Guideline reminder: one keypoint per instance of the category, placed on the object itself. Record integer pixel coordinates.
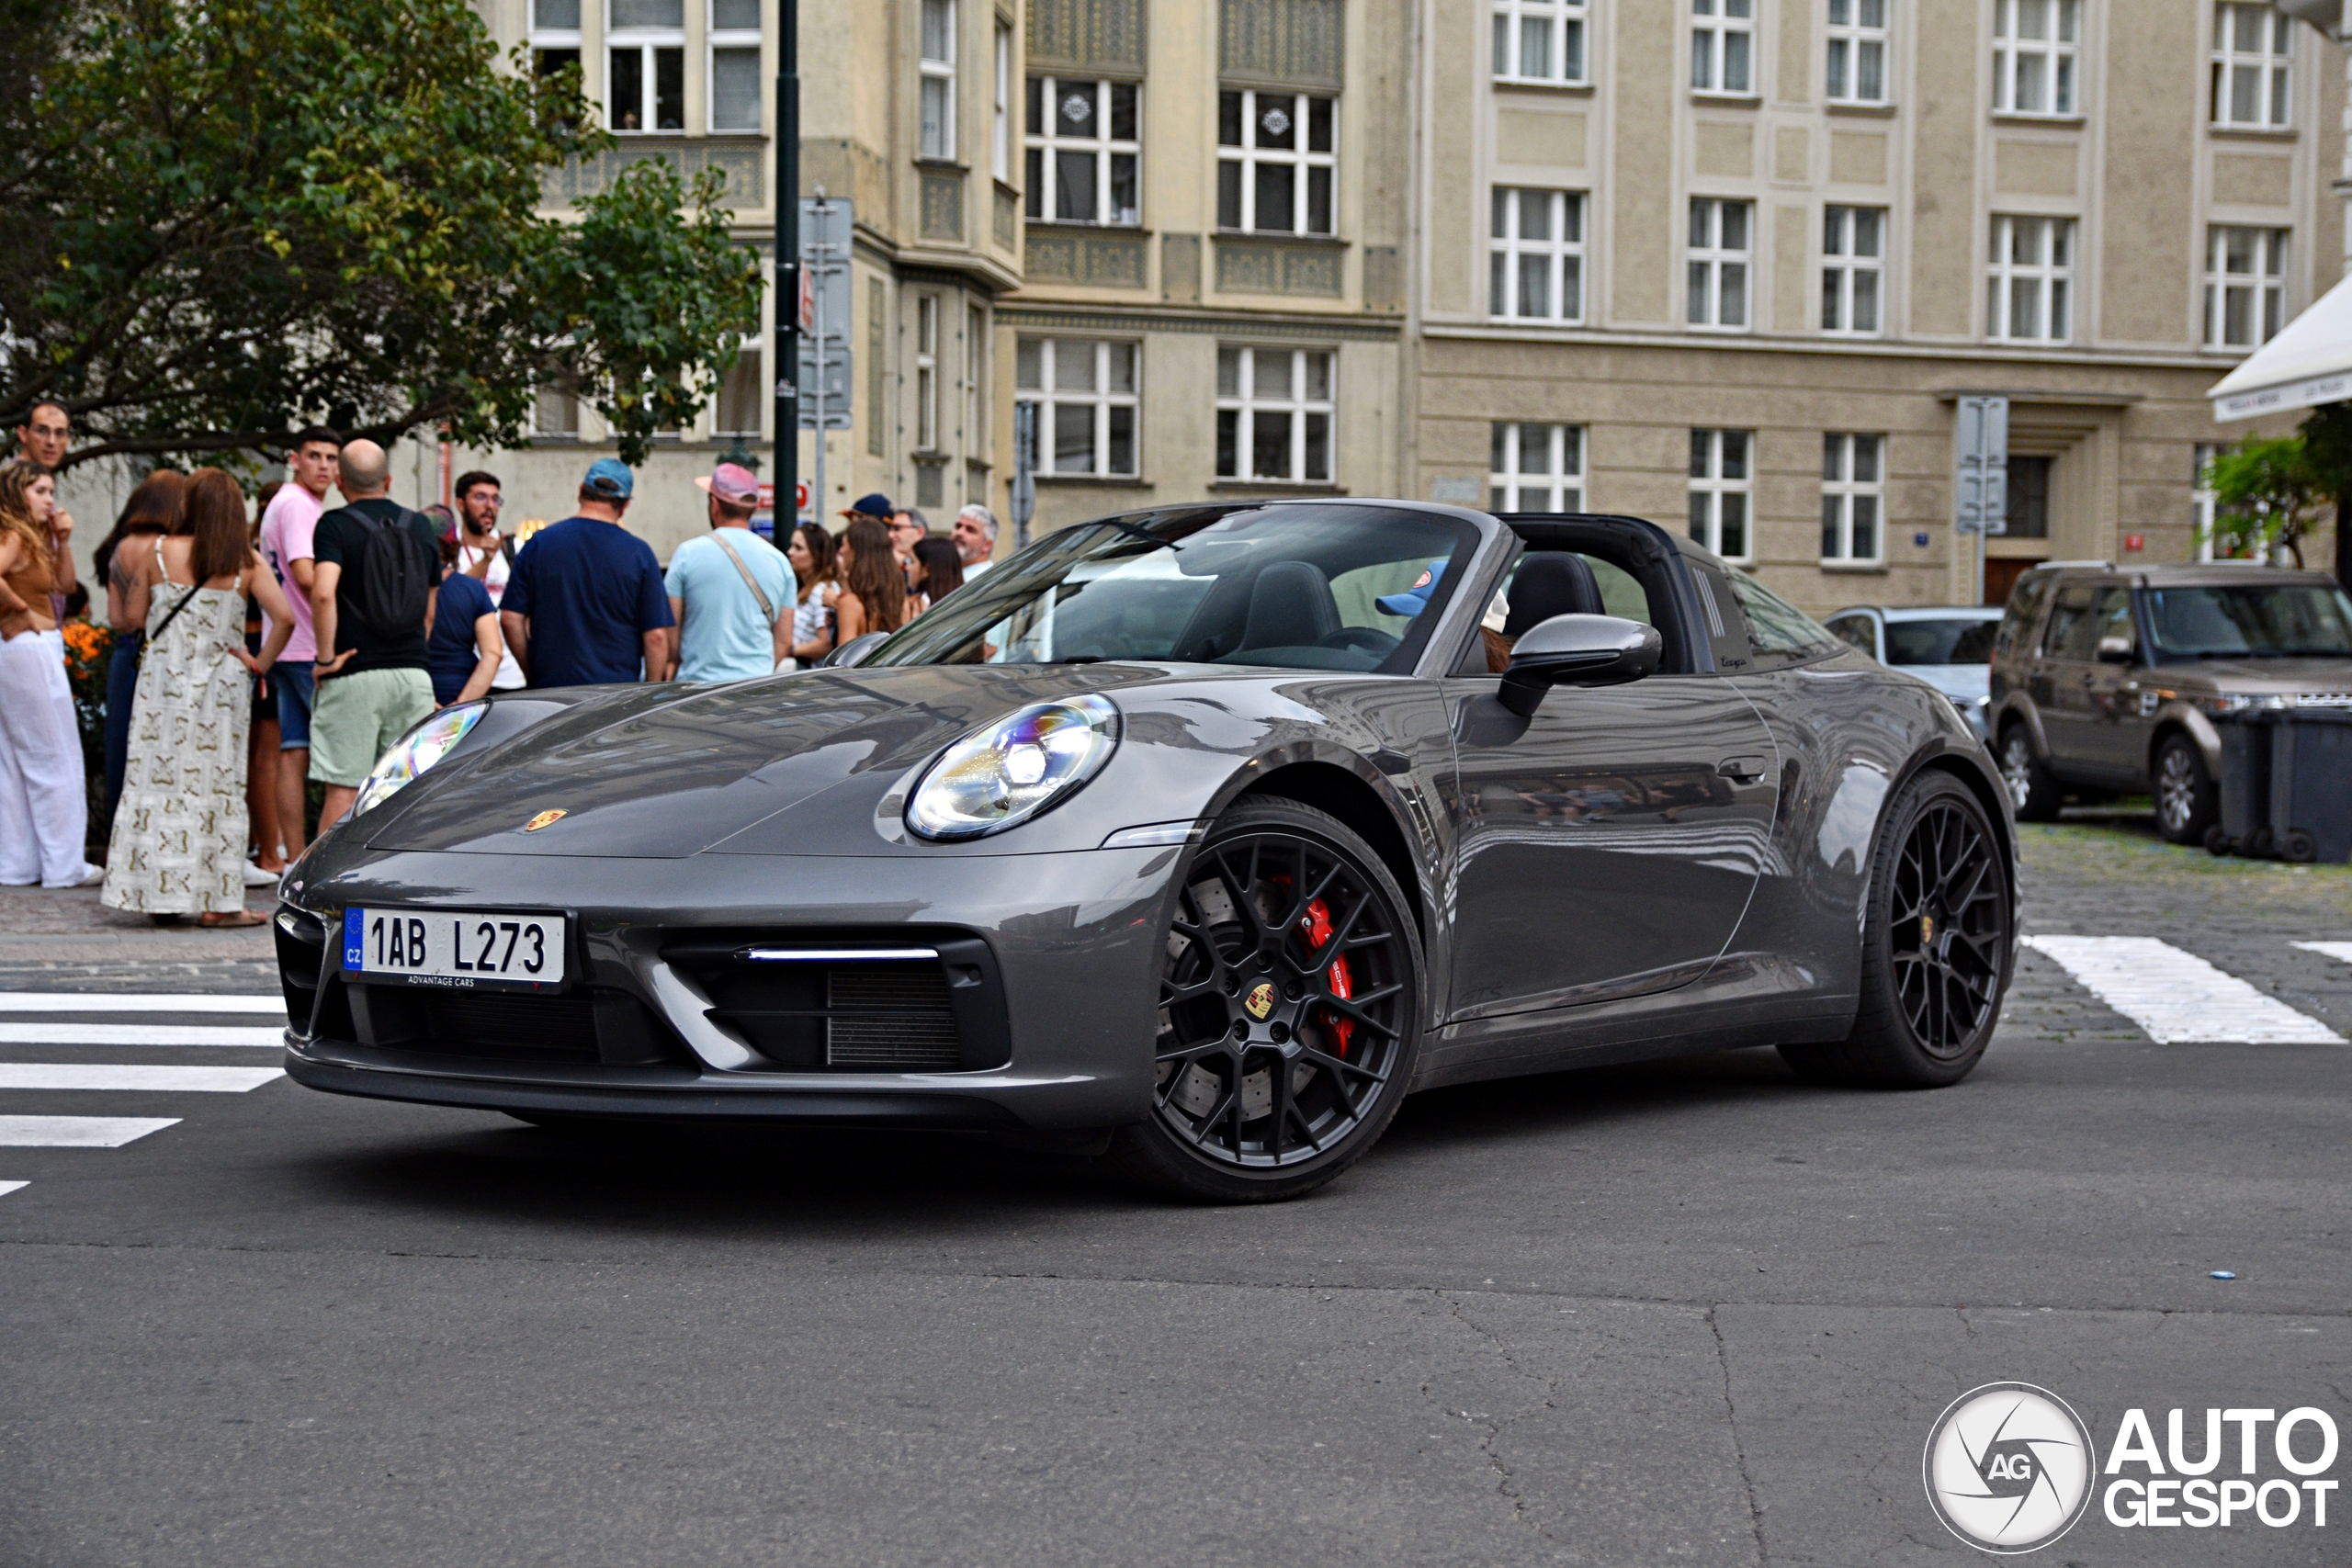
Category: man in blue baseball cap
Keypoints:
(1416, 599)
(585, 604)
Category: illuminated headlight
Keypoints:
(1006, 773)
(414, 752)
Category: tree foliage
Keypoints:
(2270, 491)
(226, 222)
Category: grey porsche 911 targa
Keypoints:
(1197, 838)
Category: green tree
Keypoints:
(227, 222)
(2268, 495)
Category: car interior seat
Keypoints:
(1290, 606)
(1549, 584)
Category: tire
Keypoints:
(2033, 789)
(1283, 910)
(1936, 944)
(2184, 791)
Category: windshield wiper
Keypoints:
(1146, 534)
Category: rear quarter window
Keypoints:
(1778, 632)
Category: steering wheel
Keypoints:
(1360, 639)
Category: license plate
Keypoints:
(453, 948)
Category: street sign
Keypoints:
(1984, 472)
(836, 390)
(824, 306)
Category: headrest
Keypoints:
(1549, 584)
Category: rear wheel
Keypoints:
(1290, 1003)
(1935, 948)
(2033, 790)
(2185, 803)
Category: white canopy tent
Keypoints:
(2309, 363)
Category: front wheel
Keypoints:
(1290, 1008)
(1936, 948)
(2185, 803)
(2032, 788)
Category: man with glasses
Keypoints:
(486, 556)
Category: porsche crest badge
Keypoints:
(1261, 1000)
(542, 819)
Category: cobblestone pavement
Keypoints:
(64, 938)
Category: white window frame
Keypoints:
(540, 38)
(976, 345)
(2263, 284)
(926, 372)
(1846, 494)
(935, 141)
(1044, 148)
(714, 39)
(1047, 399)
(2048, 63)
(750, 349)
(1000, 126)
(1559, 25)
(1245, 402)
(1560, 258)
(2268, 68)
(1557, 484)
(1718, 273)
(648, 43)
(1714, 493)
(1722, 48)
(1249, 156)
(1859, 47)
(1843, 264)
(2052, 269)
(2204, 505)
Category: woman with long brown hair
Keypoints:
(158, 506)
(873, 591)
(939, 570)
(178, 845)
(44, 799)
(814, 568)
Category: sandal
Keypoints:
(224, 920)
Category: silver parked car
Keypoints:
(1947, 645)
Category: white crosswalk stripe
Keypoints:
(128, 1002)
(2177, 997)
(2339, 951)
(78, 1131)
(167, 1080)
(139, 1034)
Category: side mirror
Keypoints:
(853, 652)
(2115, 650)
(1577, 651)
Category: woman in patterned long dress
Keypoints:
(178, 846)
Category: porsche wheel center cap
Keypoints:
(1260, 1001)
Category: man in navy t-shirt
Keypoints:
(585, 604)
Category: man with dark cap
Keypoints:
(585, 604)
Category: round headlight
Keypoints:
(415, 751)
(1006, 773)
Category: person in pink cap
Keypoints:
(731, 592)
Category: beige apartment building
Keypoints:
(1726, 263)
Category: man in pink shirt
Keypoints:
(286, 530)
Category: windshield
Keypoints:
(1296, 587)
(1955, 641)
(2285, 620)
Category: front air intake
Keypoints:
(913, 1002)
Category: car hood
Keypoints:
(2260, 677)
(671, 772)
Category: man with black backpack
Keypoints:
(376, 568)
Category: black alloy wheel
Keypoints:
(1290, 998)
(2033, 789)
(2185, 805)
(1937, 947)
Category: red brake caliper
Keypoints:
(1316, 924)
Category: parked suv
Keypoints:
(2108, 680)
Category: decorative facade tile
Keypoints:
(744, 163)
(943, 206)
(1258, 266)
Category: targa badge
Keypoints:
(542, 819)
(1261, 1000)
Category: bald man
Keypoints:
(372, 682)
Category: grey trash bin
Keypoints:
(2311, 784)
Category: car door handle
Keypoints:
(1741, 770)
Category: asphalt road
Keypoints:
(1693, 1313)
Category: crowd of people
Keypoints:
(257, 652)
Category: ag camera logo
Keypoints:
(2008, 1467)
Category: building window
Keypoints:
(2033, 56)
(1857, 52)
(1083, 151)
(1719, 488)
(1539, 40)
(742, 398)
(1084, 390)
(1853, 249)
(1275, 162)
(2204, 506)
(937, 72)
(1000, 132)
(2251, 47)
(645, 65)
(2027, 287)
(555, 415)
(2245, 285)
(1536, 467)
(1274, 414)
(555, 35)
(1718, 262)
(2029, 507)
(1853, 498)
(1536, 262)
(1722, 41)
(735, 65)
(926, 372)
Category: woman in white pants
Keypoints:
(44, 799)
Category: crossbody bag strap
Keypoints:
(749, 580)
(164, 579)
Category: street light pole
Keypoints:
(785, 192)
